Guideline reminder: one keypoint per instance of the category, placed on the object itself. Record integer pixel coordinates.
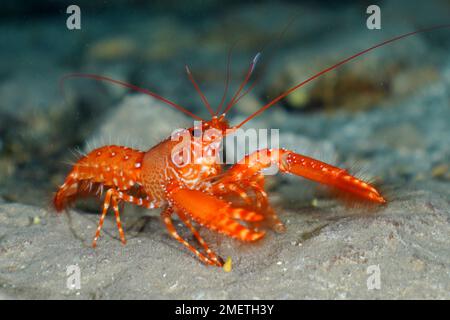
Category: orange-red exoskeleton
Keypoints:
(198, 191)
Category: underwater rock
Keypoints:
(381, 76)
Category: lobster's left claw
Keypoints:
(309, 168)
(324, 173)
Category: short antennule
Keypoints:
(335, 66)
(197, 88)
(244, 82)
(227, 81)
(129, 86)
(255, 61)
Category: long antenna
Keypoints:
(126, 85)
(335, 66)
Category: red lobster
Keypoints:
(197, 190)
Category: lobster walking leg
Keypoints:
(167, 219)
(222, 189)
(261, 202)
(115, 205)
(111, 197)
(215, 258)
(244, 215)
(106, 203)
